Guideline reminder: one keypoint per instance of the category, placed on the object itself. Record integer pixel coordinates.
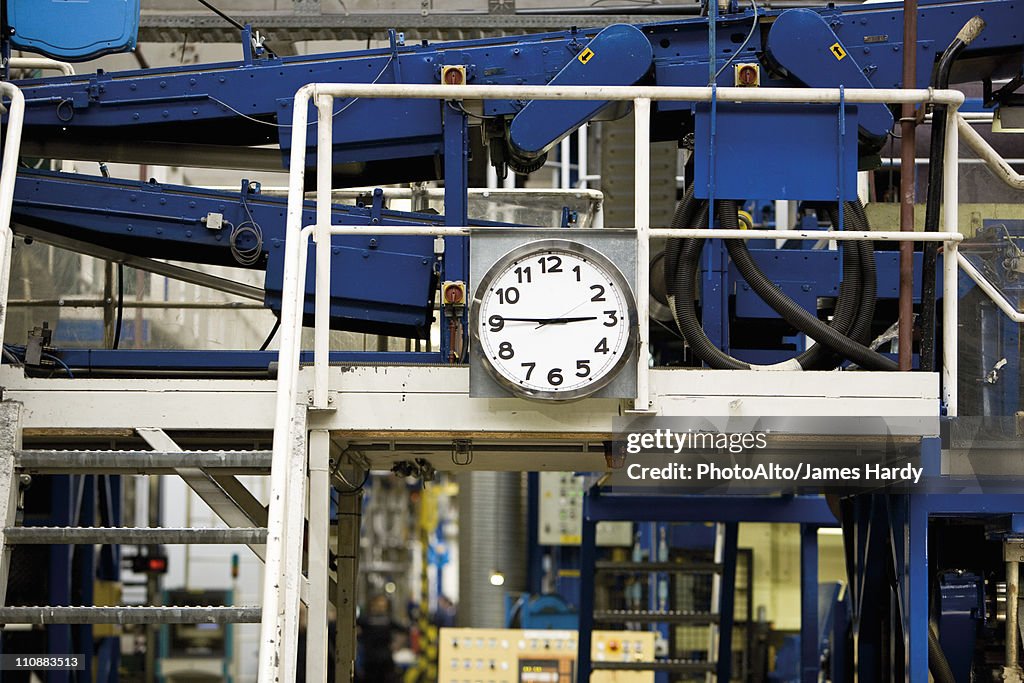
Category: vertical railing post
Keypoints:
(322, 237)
(642, 221)
(8, 175)
(272, 626)
(319, 440)
(582, 141)
(950, 270)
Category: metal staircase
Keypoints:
(202, 470)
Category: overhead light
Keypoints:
(830, 531)
(497, 578)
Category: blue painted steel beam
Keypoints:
(99, 360)
(169, 221)
(697, 508)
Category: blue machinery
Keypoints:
(226, 114)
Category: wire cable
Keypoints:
(221, 14)
(9, 355)
(273, 331)
(61, 363)
(120, 306)
(352, 488)
(457, 106)
(247, 256)
(742, 47)
(310, 123)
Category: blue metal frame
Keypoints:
(151, 104)
(809, 511)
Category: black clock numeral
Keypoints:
(555, 377)
(602, 346)
(599, 293)
(524, 274)
(613, 318)
(550, 264)
(505, 351)
(583, 368)
(496, 322)
(529, 369)
(508, 295)
(576, 269)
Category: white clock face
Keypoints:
(554, 320)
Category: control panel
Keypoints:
(561, 514)
(476, 655)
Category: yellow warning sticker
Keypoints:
(585, 56)
(837, 50)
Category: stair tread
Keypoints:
(656, 665)
(39, 535)
(141, 461)
(655, 616)
(128, 614)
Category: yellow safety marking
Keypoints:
(837, 50)
(585, 56)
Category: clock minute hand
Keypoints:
(548, 321)
(562, 321)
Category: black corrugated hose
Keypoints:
(843, 335)
(936, 157)
(938, 665)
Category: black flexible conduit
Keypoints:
(936, 159)
(849, 327)
(938, 665)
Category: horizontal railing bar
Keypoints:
(627, 92)
(838, 235)
(384, 231)
(890, 236)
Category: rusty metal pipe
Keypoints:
(907, 181)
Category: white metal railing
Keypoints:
(1001, 167)
(8, 174)
(280, 602)
(42, 63)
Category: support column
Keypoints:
(588, 545)
(349, 511)
(1011, 670)
(727, 601)
(319, 538)
(917, 588)
(456, 167)
(809, 659)
(456, 206)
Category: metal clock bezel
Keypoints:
(579, 249)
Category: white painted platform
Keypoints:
(401, 412)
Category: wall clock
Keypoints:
(553, 320)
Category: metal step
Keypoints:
(644, 567)
(129, 615)
(47, 535)
(141, 462)
(619, 616)
(670, 665)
